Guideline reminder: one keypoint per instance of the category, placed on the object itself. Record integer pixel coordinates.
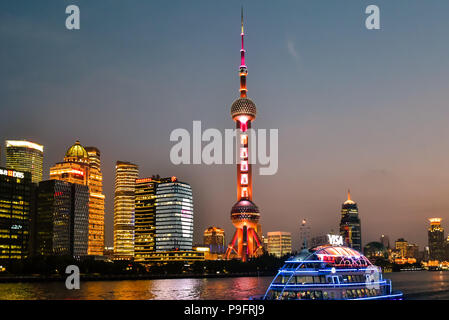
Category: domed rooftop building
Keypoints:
(76, 153)
(330, 273)
(74, 168)
(375, 250)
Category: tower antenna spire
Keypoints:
(243, 71)
(242, 20)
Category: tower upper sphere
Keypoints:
(243, 107)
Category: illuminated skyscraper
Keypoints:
(83, 167)
(126, 174)
(16, 194)
(279, 243)
(174, 215)
(214, 238)
(96, 203)
(436, 240)
(25, 156)
(246, 243)
(350, 227)
(145, 219)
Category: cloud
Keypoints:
(291, 47)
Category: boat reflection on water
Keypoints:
(329, 273)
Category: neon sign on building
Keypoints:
(12, 173)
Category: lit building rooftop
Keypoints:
(24, 143)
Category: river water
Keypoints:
(414, 284)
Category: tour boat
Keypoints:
(330, 272)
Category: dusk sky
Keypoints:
(355, 108)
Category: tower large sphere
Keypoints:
(243, 107)
(245, 211)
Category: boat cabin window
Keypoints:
(281, 279)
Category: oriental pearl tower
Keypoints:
(244, 214)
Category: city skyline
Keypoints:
(354, 130)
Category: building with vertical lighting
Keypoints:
(61, 226)
(279, 243)
(436, 240)
(245, 243)
(126, 174)
(174, 215)
(145, 219)
(350, 227)
(25, 156)
(82, 167)
(16, 206)
(214, 239)
(96, 203)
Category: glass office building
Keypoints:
(62, 219)
(80, 221)
(25, 156)
(16, 205)
(174, 215)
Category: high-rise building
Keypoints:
(126, 174)
(62, 219)
(385, 240)
(83, 167)
(350, 227)
(246, 243)
(96, 203)
(436, 240)
(145, 219)
(401, 247)
(25, 156)
(304, 234)
(16, 205)
(279, 243)
(214, 239)
(174, 215)
(52, 222)
(413, 251)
